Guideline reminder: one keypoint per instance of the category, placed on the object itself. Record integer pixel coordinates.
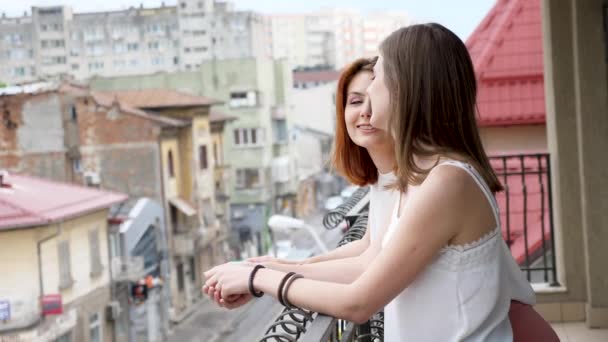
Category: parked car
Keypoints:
(333, 202)
(349, 191)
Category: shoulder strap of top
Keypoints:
(480, 182)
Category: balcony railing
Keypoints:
(18, 311)
(526, 213)
(526, 219)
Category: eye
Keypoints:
(355, 101)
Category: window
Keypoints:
(243, 99)
(192, 269)
(170, 164)
(95, 328)
(245, 134)
(119, 48)
(57, 43)
(95, 66)
(254, 136)
(73, 113)
(153, 45)
(58, 60)
(75, 66)
(248, 178)
(158, 60)
(146, 248)
(249, 137)
(76, 165)
(96, 266)
(279, 128)
(180, 276)
(132, 47)
(65, 272)
(44, 43)
(183, 4)
(215, 155)
(173, 216)
(19, 71)
(202, 155)
(206, 212)
(237, 136)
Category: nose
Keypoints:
(366, 108)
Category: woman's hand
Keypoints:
(228, 284)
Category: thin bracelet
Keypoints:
(251, 288)
(281, 285)
(287, 286)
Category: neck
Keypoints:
(384, 159)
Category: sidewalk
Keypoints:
(578, 332)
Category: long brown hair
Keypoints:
(350, 159)
(433, 93)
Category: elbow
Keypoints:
(357, 310)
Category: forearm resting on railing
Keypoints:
(349, 250)
(344, 271)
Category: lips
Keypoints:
(366, 128)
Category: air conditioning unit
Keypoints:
(92, 179)
(113, 311)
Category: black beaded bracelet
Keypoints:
(281, 285)
(286, 289)
(251, 288)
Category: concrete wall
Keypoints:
(121, 147)
(315, 108)
(77, 232)
(514, 139)
(19, 285)
(33, 136)
(576, 94)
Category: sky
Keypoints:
(460, 16)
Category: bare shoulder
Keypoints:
(450, 182)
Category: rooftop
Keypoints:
(27, 201)
(160, 98)
(507, 52)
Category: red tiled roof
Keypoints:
(108, 100)
(507, 51)
(161, 98)
(30, 201)
(315, 76)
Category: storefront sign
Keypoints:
(52, 304)
(5, 310)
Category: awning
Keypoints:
(183, 206)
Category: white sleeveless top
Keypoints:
(381, 204)
(465, 293)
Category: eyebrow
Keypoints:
(356, 93)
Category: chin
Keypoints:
(367, 142)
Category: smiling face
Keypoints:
(357, 113)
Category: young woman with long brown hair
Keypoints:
(443, 272)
